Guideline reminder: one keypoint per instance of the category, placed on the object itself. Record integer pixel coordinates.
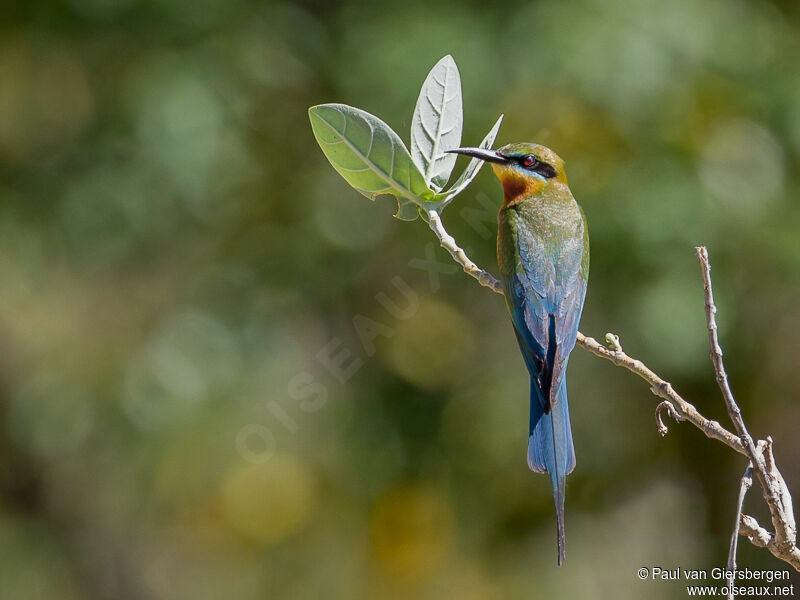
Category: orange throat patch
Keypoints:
(516, 186)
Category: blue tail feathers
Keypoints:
(550, 449)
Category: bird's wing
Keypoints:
(530, 322)
(569, 315)
(545, 296)
(573, 269)
(530, 288)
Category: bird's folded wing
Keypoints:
(567, 320)
(546, 300)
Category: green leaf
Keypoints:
(437, 123)
(370, 156)
(470, 172)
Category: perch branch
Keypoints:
(782, 543)
(663, 389)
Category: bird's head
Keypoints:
(524, 169)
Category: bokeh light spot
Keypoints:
(271, 501)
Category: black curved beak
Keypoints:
(492, 156)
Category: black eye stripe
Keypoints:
(548, 171)
(537, 166)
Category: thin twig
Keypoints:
(663, 389)
(665, 405)
(719, 368)
(744, 485)
(773, 487)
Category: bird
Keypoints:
(543, 258)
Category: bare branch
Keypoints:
(744, 485)
(762, 538)
(758, 536)
(772, 485)
(719, 368)
(664, 390)
(784, 497)
(779, 500)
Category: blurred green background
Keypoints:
(179, 262)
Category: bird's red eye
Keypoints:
(529, 160)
